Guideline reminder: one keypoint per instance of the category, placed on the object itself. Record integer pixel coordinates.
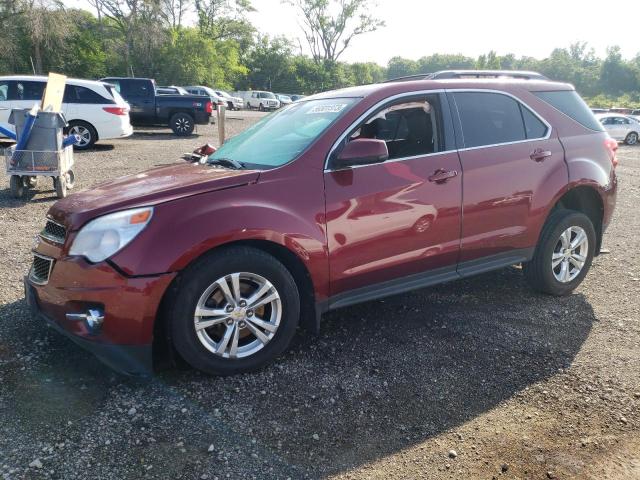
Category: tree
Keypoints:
(328, 34)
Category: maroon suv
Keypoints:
(345, 197)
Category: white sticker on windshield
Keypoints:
(335, 108)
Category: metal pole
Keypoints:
(221, 130)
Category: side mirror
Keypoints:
(362, 151)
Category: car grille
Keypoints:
(41, 269)
(54, 232)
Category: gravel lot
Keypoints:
(480, 378)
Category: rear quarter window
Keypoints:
(572, 105)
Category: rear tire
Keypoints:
(86, 132)
(631, 139)
(557, 268)
(200, 289)
(182, 124)
(16, 184)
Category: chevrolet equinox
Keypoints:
(340, 198)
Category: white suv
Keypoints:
(94, 110)
(621, 127)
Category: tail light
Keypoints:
(208, 107)
(612, 147)
(117, 110)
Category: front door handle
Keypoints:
(441, 175)
(539, 154)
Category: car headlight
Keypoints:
(106, 235)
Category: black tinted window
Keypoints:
(77, 94)
(534, 128)
(137, 88)
(28, 90)
(570, 103)
(489, 118)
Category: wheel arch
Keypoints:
(310, 312)
(587, 200)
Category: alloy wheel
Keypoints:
(632, 139)
(183, 124)
(238, 315)
(570, 254)
(83, 132)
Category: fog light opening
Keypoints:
(92, 318)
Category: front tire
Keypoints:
(631, 139)
(17, 187)
(234, 311)
(60, 185)
(182, 124)
(563, 255)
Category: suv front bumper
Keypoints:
(130, 305)
(127, 359)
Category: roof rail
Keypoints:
(444, 74)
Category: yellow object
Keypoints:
(53, 94)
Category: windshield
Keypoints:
(284, 97)
(282, 136)
(222, 94)
(266, 95)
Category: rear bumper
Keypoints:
(126, 359)
(202, 118)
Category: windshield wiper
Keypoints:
(227, 162)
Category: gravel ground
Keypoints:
(480, 378)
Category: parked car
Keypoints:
(622, 128)
(295, 98)
(259, 100)
(232, 103)
(171, 90)
(600, 110)
(181, 113)
(201, 90)
(342, 198)
(94, 110)
(284, 99)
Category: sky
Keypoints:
(416, 28)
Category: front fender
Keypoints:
(183, 230)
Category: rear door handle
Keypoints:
(441, 175)
(539, 155)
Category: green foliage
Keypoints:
(223, 49)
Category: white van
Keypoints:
(260, 100)
(95, 110)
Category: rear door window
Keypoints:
(78, 94)
(572, 105)
(489, 119)
(533, 126)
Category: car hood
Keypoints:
(147, 188)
